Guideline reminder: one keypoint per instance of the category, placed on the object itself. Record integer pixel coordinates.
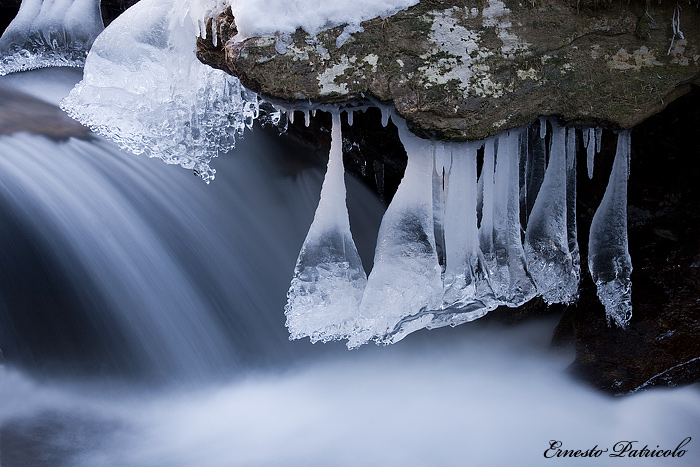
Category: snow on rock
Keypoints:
(267, 17)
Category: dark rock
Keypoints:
(661, 346)
(21, 112)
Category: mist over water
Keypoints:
(142, 324)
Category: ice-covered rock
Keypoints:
(48, 33)
(144, 88)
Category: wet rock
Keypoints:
(661, 346)
(21, 112)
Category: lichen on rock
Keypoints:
(467, 69)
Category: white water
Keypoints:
(484, 396)
(476, 395)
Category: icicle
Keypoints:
(441, 152)
(608, 255)
(291, 116)
(467, 293)
(351, 115)
(504, 255)
(590, 144)
(598, 139)
(406, 278)
(486, 183)
(385, 115)
(307, 118)
(571, 223)
(543, 127)
(535, 166)
(379, 177)
(546, 247)
(329, 280)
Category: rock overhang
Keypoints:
(465, 70)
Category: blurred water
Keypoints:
(117, 272)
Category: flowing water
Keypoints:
(141, 319)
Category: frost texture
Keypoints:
(329, 280)
(608, 255)
(48, 33)
(144, 88)
(450, 247)
(547, 249)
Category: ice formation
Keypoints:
(547, 249)
(48, 33)
(472, 226)
(457, 242)
(608, 255)
(144, 88)
(329, 279)
(405, 280)
(499, 233)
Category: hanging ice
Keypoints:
(589, 142)
(406, 278)
(547, 249)
(571, 222)
(499, 232)
(325, 294)
(450, 245)
(48, 33)
(144, 87)
(535, 165)
(467, 291)
(441, 168)
(608, 256)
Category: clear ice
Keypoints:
(329, 280)
(406, 278)
(456, 242)
(467, 292)
(47, 33)
(500, 230)
(608, 255)
(549, 257)
(144, 88)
